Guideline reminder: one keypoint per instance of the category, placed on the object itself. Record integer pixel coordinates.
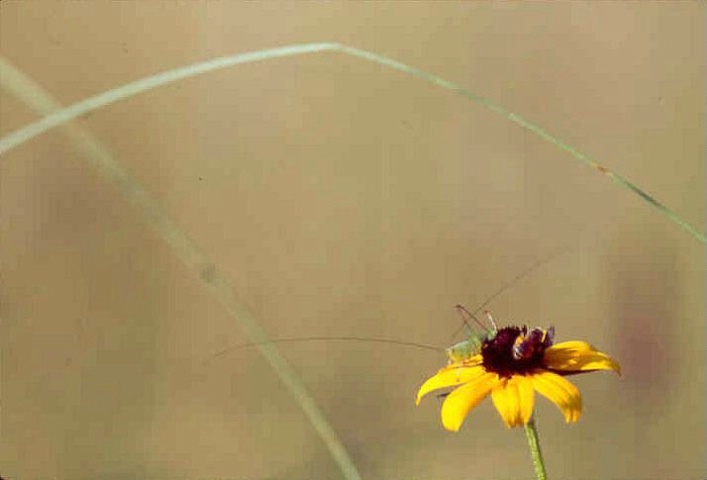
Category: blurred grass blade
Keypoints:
(114, 95)
(131, 89)
(33, 95)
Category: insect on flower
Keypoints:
(474, 338)
(511, 364)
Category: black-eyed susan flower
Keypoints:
(511, 365)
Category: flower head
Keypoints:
(511, 365)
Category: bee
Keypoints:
(531, 344)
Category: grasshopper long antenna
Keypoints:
(534, 266)
(489, 317)
(466, 314)
(233, 348)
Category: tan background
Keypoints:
(343, 198)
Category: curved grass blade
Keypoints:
(26, 90)
(59, 117)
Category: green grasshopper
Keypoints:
(464, 350)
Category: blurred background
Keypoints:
(342, 198)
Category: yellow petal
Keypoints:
(458, 403)
(560, 392)
(513, 398)
(576, 357)
(450, 376)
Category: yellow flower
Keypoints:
(512, 364)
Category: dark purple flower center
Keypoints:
(516, 350)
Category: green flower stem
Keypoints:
(532, 434)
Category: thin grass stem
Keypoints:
(64, 115)
(32, 94)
